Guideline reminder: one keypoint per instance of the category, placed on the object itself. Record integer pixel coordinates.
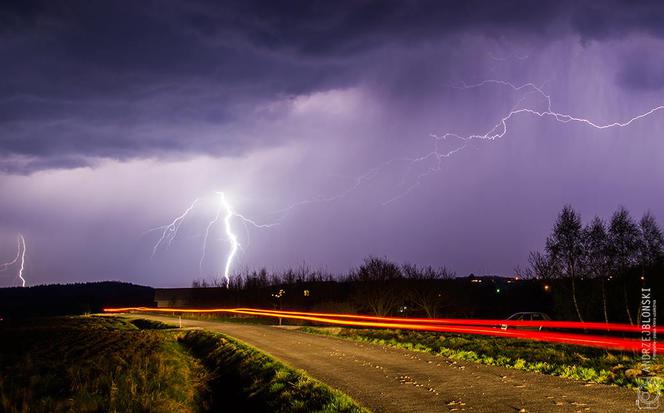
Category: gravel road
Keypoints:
(385, 379)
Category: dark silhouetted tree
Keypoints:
(423, 289)
(565, 248)
(652, 242)
(596, 256)
(624, 247)
(542, 266)
(377, 289)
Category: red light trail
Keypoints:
(574, 325)
(460, 326)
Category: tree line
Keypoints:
(614, 258)
(592, 271)
(378, 286)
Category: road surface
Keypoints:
(386, 379)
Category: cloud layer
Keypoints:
(114, 116)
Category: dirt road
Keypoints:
(385, 379)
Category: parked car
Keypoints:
(525, 316)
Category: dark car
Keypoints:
(525, 316)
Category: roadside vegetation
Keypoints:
(243, 374)
(95, 364)
(577, 363)
(116, 364)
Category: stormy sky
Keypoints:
(322, 117)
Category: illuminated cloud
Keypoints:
(115, 117)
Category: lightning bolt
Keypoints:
(20, 254)
(170, 231)
(437, 155)
(499, 130)
(232, 238)
(22, 267)
(207, 234)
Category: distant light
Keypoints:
(547, 287)
(497, 290)
(643, 278)
(306, 293)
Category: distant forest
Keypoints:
(64, 299)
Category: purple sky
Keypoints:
(115, 116)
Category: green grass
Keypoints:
(94, 364)
(230, 318)
(263, 384)
(578, 363)
(145, 324)
(118, 364)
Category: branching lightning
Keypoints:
(207, 234)
(20, 256)
(6, 265)
(433, 159)
(499, 130)
(170, 231)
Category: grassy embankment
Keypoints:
(91, 364)
(578, 363)
(263, 383)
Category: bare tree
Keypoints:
(652, 242)
(565, 248)
(596, 256)
(624, 246)
(423, 289)
(377, 290)
(541, 266)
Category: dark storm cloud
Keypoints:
(596, 20)
(298, 102)
(135, 79)
(643, 72)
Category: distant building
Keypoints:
(173, 297)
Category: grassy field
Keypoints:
(90, 364)
(114, 364)
(578, 363)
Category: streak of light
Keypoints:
(232, 238)
(20, 255)
(465, 326)
(22, 266)
(170, 231)
(574, 325)
(6, 265)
